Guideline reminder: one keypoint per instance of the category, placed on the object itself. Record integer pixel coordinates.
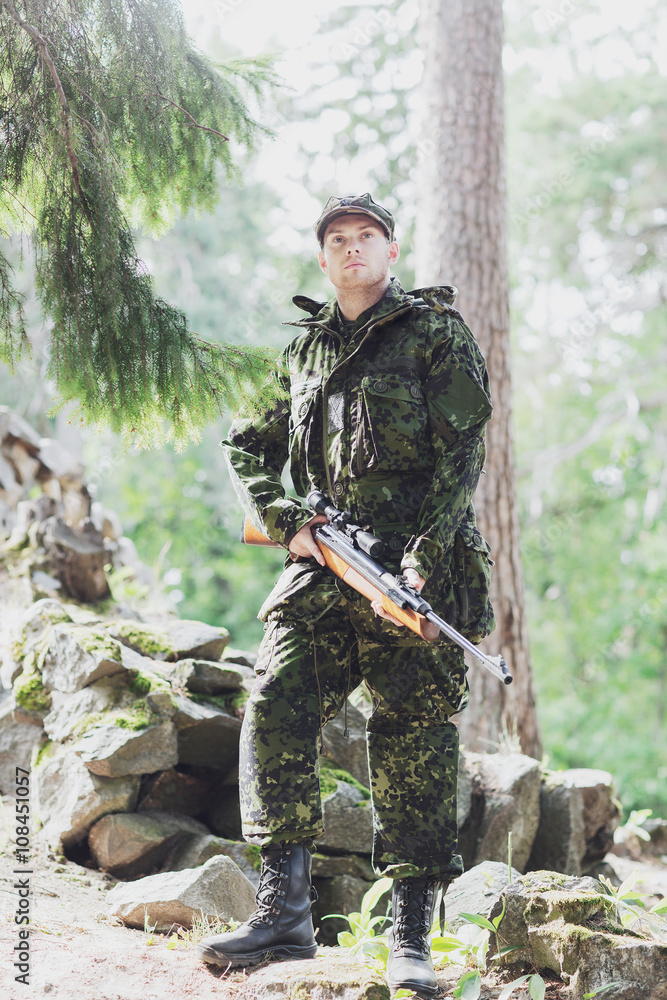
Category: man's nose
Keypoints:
(353, 247)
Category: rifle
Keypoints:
(351, 553)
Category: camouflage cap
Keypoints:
(361, 204)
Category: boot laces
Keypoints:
(412, 923)
(269, 890)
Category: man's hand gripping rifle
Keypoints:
(351, 554)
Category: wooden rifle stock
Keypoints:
(418, 623)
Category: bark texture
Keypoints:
(461, 239)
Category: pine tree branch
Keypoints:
(204, 128)
(43, 47)
(25, 208)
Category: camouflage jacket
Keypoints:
(387, 418)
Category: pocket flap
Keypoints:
(393, 388)
(473, 538)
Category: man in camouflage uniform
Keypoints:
(388, 398)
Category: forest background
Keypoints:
(586, 132)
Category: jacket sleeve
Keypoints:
(256, 451)
(459, 404)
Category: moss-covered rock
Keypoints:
(330, 776)
(334, 975)
(73, 656)
(30, 692)
(146, 639)
(172, 640)
(34, 621)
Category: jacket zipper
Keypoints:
(371, 329)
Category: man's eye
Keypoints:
(368, 234)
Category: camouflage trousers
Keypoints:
(304, 673)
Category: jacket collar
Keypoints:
(326, 315)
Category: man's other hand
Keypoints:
(415, 580)
(303, 544)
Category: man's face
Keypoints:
(356, 253)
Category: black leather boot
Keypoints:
(409, 965)
(281, 927)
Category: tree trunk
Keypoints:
(461, 239)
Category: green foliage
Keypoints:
(631, 910)
(182, 514)
(362, 935)
(469, 946)
(635, 823)
(111, 118)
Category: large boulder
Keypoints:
(114, 750)
(131, 845)
(77, 655)
(348, 752)
(569, 925)
(173, 791)
(476, 891)
(224, 814)
(71, 713)
(172, 640)
(210, 677)
(197, 849)
(331, 976)
(69, 798)
(207, 736)
(218, 889)
(76, 554)
(511, 784)
(348, 821)
(578, 816)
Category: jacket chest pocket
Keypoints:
(392, 430)
(305, 407)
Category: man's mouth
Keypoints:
(355, 263)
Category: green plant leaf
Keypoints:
(475, 918)
(346, 940)
(506, 951)
(660, 907)
(377, 920)
(509, 989)
(376, 891)
(447, 943)
(497, 920)
(625, 888)
(537, 987)
(469, 986)
(377, 950)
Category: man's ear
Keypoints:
(323, 261)
(394, 252)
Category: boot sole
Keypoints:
(281, 953)
(418, 989)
